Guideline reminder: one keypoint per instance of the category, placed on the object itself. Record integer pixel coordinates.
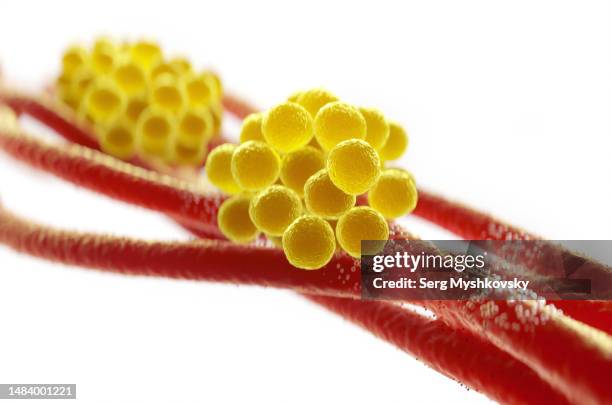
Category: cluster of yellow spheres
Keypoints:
(141, 103)
(298, 171)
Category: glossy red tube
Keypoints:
(455, 353)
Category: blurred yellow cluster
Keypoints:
(299, 170)
(141, 103)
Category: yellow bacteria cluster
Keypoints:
(300, 169)
(141, 103)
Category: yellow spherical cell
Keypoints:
(255, 165)
(234, 220)
(105, 44)
(104, 60)
(336, 122)
(359, 224)
(103, 101)
(287, 127)
(314, 99)
(162, 68)
(146, 54)
(135, 105)
(251, 128)
(195, 127)
(216, 110)
(274, 208)
(298, 166)
(154, 132)
(394, 194)
(216, 81)
(130, 78)
(219, 168)
(73, 59)
(294, 96)
(181, 65)
(82, 79)
(377, 126)
(200, 90)
(323, 198)
(184, 152)
(167, 93)
(353, 166)
(397, 143)
(118, 139)
(309, 242)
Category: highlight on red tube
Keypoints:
(248, 190)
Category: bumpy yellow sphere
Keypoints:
(130, 78)
(146, 54)
(200, 90)
(313, 100)
(251, 128)
(323, 198)
(255, 165)
(73, 59)
(309, 242)
(353, 166)
(186, 153)
(377, 127)
(336, 122)
(234, 220)
(195, 126)
(154, 132)
(219, 168)
(359, 224)
(168, 93)
(287, 127)
(134, 107)
(274, 209)
(394, 194)
(298, 166)
(294, 96)
(397, 143)
(104, 101)
(118, 139)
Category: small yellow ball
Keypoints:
(234, 220)
(323, 198)
(154, 132)
(397, 143)
(353, 166)
(195, 127)
(168, 93)
(251, 128)
(336, 122)
(219, 168)
(134, 107)
(394, 194)
(294, 96)
(74, 58)
(146, 54)
(103, 101)
(118, 139)
(274, 209)
(313, 100)
(130, 78)
(377, 127)
(309, 242)
(359, 224)
(255, 165)
(287, 127)
(200, 90)
(298, 166)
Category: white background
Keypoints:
(508, 107)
